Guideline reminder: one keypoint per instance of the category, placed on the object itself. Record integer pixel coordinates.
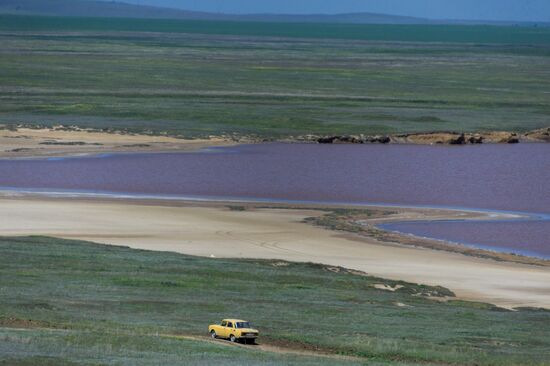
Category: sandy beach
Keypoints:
(213, 230)
(61, 141)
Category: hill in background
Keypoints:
(86, 8)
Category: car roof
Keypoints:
(234, 320)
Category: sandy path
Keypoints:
(271, 234)
(263, 347)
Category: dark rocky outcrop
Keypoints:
(460, 140)
(476, 139)
(353, 139)
(326, 140)
(379, 139)
(433, 138)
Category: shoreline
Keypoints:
(35, 143)
(470, 248)
(213, 229)
(63, 141)
(433, 138)
(370, 228)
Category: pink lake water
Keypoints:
(487, 177)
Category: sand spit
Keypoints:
(63, 141)
(212, 229)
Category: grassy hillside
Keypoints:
(118, 9)
(67, 302)
(121, 9)
(95, 9)
(195, 78)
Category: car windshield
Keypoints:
(243, 325)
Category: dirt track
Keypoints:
(259, 347)
(264, 347)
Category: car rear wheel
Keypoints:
(213, 334)
(232, 338)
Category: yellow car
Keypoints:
(235, 330)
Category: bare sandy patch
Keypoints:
(60, 141)
(381, 286)
(272, 234)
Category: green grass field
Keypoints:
(370, 32)
(71, 303)
(198, 78)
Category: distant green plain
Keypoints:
(367, 32)
(75, 303)
(272, 80)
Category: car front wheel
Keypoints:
(213, 334)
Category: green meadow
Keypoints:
(369, 32)
(271, 80)
(77, 303)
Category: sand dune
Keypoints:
(270, 234)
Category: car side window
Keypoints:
(229, 325)
(224, 324)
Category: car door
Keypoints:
(229, 329)
(222, 330)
